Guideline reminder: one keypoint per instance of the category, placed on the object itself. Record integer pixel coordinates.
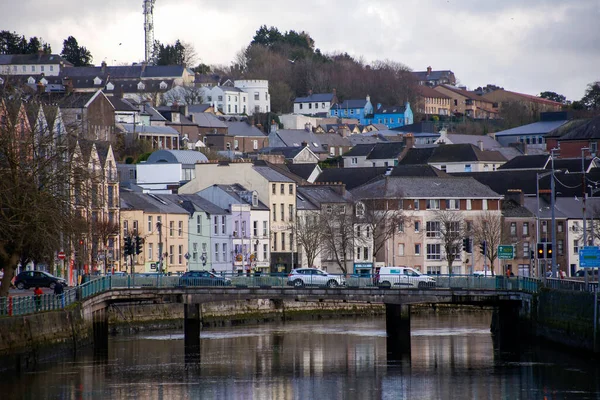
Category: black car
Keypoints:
(591, 273)
(28, 279)
(203, 278)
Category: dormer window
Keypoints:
(44, 81)
(97, 81)
(254, 199)
(162, 85)
(110, 86)
(141, 86)
(30, 80)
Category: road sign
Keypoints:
(506, 252)
(61, 255)
(589, 257)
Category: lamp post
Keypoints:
(537, 225)
(585, 242)
(553, 206)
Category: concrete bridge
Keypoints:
(511, 305)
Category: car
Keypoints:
(203, 278)
(581, 273)
(301, 277)
(28, 279)
(482, 273)
(388, 277)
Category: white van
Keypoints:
(402, 277)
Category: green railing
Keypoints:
(20, 305)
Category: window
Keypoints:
(433, 204)
(401, 227)
(274, 241)
(467, 167)
(434, 252)
(171, 255)
(149, 224)
(360, 209)
(300, 106)
(357, 253)
(561, 247)
(265, 228)
(236, 229)
(171, 228)
(354, 160)
(452, 204)
(434, 270)
(433, 229)
(469, 205)
(416, 204)
(243, 228)
(150, 252)
(575, 246)
(216, 251)
(198, 224)
(401, 249)
(545, 226)
(513, 229)
(255, 228)
(484, 204)
(291, 210)
(291, 188)
(282, 209)
(525, 228)
(282, 241)
(526, 250)
(274, 188)
(282, 189)
(223, 224)
(560, 226)
(194, 251)
(265, 252)
(216, 223)
(256, 96)
(328, 208)
(180, 254)
(125, 228)
(274, 212)
(255, 144)
(224, 252)
(366, 253)
(417, 226)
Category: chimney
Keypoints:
(309, 92)
(68, 84)
(428, 71)
(344, 131)
(103, 67)
(304, 144)
(480, 144)
(40, 87)
(308, 127)
(274, 126)
(515, 195)
(144, 65)
(409, 140)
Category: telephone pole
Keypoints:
(160, 246)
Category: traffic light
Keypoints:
(532, 254)
(138, 245)
(540, 250)
(128, 248)
(548, 250)
(483, 247)
(466, 247)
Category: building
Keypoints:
(228, 100)
(434, 78)
(468, 103)
(362, 110)
(533, 135)
(535, 105)
(259, 99)
(90, 116)
(159, 137)
(394, 116)
(455, 158)
(166, 170)
(315, 104)
(431, 102)
(38, 64)
(384, 154)
(573, 136)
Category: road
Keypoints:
(27, 292)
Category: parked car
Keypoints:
(28, 279)
(203, 278)
(482, 273)
(403, 277)
(314, 277)
(591, 273)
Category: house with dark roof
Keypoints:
(315, 103)
(308, 172)
(574, 136)
(465, 158)
(362, 110)
(432, 102)
(292, 155)
(324, 145)
(393, 116)
(430, 77)
(90, 115)
(351, 177)
(32, 64)
(533, 135)
(384, 154)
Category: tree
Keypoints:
(591, 99)
(337, 225)
(40, 189)
(178, 53)
(77, 55)
(380, 219)
(450, 227)
(309, 235)
(12, 43)
(489, 228)
(186, 94)
(102, 231)
(559, 98)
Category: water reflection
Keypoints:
(452, 357)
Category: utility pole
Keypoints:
(553, 206)
(160, 246)
(583, 187)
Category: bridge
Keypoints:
(511, 298)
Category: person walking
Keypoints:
(37, 294)
(59, 293)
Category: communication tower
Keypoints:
(148, 7)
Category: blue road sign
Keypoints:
(589, 257)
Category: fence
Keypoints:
(21, 305)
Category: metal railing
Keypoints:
(21, 305)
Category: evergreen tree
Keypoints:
(79, 56)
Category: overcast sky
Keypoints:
(522, 45)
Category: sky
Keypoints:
(527, 46)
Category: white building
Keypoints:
(259, 100)
(32, 64)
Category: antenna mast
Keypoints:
(148, 7)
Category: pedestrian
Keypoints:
(59, 293)
(508, 273)
(37, 294)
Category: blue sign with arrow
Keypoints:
(589, 257)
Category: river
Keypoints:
(452, 357)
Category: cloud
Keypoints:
(528, 46)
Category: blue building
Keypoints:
(362, 110)
(393, 116)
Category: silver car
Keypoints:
(314, 277)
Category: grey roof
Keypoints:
(126, 71)
(347, 104)
(287, 152)
(304, 171)
(231, 89)
(527, 162)
(322, 194)
(121, 104)
(487, 142)
(198, 108)
(333, 139)
(417, 170)
(351, 177)
(295, 137)
(242, 129)
(154, 114)
(150, 203)
(390, 110)
(384, 151)
(315, 98)
(463, 152)
(433, 75)
(36, 58)
(588, 129)
(424, 187)
(565, 207)
(75, 100)
(193, 203)
(150, 129)
(176, 157)
(365, 139)
(234, 190)
(360, 150)
(272, 175)
(417, 156)
(207, 120)
(511, 209)
(536, 128)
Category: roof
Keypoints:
(425, 187)
(320, 194)
(537, 161)
(154, 114)
(390, 110)
(151, 203)
(588, 129)
(198, 108)
(271, 174)
(418, 127)
(347, 104)
(76, 100)
(235, 128)
(35, 58)
(387, 150)
(570, 164)
(428, 92)
(417, 170)
(295, 137)
(304, 171)
(488, 143)
(565, 207)
(315, 98)
(417, 155)
(536, 128)
(433, 75)
(234, 191)
(149, 129)
(287, 152)
(351, 177)
(511, 209)
(463, 152)
(176, 156)
(121, 104)
(360, 150)
(207, 120)
(194, 203)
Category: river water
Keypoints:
(452, 357)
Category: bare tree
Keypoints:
(102, 231)
(381, 217)
(186, 94)
(489, 228)
(449, 224)
(337, 224)
(309, 235)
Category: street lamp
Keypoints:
(537, 225)
(553, 206)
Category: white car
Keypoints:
(403, 277)
(314, 277)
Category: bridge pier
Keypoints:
(100, 329)
(191, 328)
(506, 325)
(397, 326)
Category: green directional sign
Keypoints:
(506, 252)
